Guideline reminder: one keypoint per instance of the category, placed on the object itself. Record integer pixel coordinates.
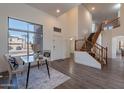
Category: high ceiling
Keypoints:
(51, 8)
(103, 11)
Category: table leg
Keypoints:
(28, 74)
(38, 64)
(23, 62)
(47, 68)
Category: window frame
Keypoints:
(26, 31)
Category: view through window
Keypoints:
(24, 37)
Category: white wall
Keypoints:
(69, 22)
(108, 35)
(99, 40)
(84, 21)
(93, 27)
(109, 40)
(86, 59)
(75, 22)
(27, 13)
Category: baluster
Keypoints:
(99, 54)
(106, 55)
(75, 45)
(102, 54)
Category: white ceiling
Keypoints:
(103, 10)
(51, 8)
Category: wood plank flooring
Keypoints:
(84, 77)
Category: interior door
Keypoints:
(57, 47)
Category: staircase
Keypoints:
(90, 46)
(95, 50)
(92, 38)
(114, 22)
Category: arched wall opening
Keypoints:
(117, 46)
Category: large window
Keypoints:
(24, 37)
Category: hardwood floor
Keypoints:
(82, 77)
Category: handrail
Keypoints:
(110, 21)
(100, 45)
(96, 44)
(90, 43)
(115, 23)
(100, 51)
(114, 20)
(97, 33)
(79, 40)
(97, 49)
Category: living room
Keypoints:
(48, 32)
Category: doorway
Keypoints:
(61, 47)
(57, 47)
(118, 46)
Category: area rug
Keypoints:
(39, 78)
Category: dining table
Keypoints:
(28, 59)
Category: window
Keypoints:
(24, 38)
(108, 27)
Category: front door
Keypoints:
(57, 47)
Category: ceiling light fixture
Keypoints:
(58, 11)
(93, 8)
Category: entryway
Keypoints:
(118, 46)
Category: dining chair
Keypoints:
(46, 58)
(43, 59)
(11, 71)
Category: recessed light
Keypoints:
(58, 11)
(93, 8)
(71, 38)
